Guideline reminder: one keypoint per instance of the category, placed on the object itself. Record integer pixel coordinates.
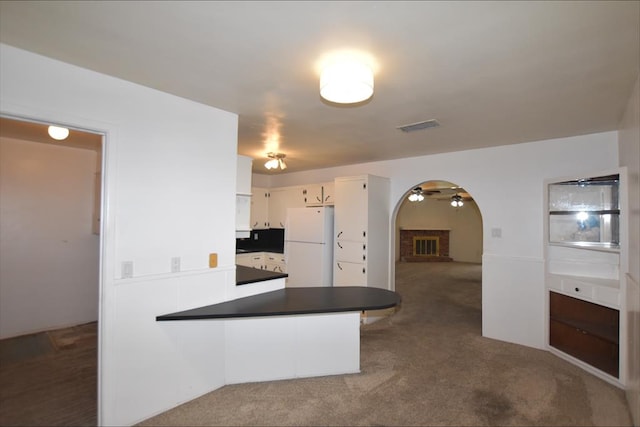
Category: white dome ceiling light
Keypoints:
(346, 81)
(58, 133)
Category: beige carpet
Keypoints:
(425, 365)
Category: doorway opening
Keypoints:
(50, 246)
(438, 242)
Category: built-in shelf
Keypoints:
(584, 220)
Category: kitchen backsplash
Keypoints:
(271, 239)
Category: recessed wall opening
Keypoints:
(51, 191)
(438, 246)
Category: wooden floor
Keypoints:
(50, 378)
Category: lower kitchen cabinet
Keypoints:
(275, 262)
(253, 260)
(586, 331)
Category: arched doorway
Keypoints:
(438, 237)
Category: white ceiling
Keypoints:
(492, 73)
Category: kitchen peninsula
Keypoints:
(291, 332)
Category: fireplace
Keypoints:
(424, 245)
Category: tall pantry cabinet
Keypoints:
(361, 227)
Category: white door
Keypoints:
(349, 274)
(306, 265)
(305, 225)
(351, 209)
(349, 251)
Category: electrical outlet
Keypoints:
(175, 264)
(127, 269)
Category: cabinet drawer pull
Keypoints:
(577, 289)
(339, 245)
(339, 266)
(340, 234)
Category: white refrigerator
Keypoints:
(308, 246)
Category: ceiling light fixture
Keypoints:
(456, 201)
(275, 160)
(346, 81)
(416, 195)
(58, 133)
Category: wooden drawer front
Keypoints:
(597, 319)
(585, 330)
(595, 351)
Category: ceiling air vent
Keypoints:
(420, 125)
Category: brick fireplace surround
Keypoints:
(406, 246)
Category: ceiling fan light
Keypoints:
(346, 82)
(275, 160)
(58, 133)
(271, 164)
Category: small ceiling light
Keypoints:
(456, 201)
(58, 133)
(346, 81)
(275, 160)
(416, 195)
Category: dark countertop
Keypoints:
(249, 251)
(245, 275)
(292, 301)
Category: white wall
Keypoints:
(507, 185)
(163, 157)
(464, 222)
(49, 256)
(629, 141)
(48, 253)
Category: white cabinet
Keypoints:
(243, 196)
(361, 245)
(280, 199)
(243, 208)
(312, 195)
(328, 192)
(259, 208)
(319, 194)
(253, 260)
(243, 175)
(275, 262)
(263, 260)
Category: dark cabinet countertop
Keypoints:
(246, 275)
(254, 250)
(294, 301)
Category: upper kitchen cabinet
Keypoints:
(243, 175)
(243, 196)
(312, 195)
(361, 227)
(259, 208)
(318, 194)
(280, 199)
(328, 191)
